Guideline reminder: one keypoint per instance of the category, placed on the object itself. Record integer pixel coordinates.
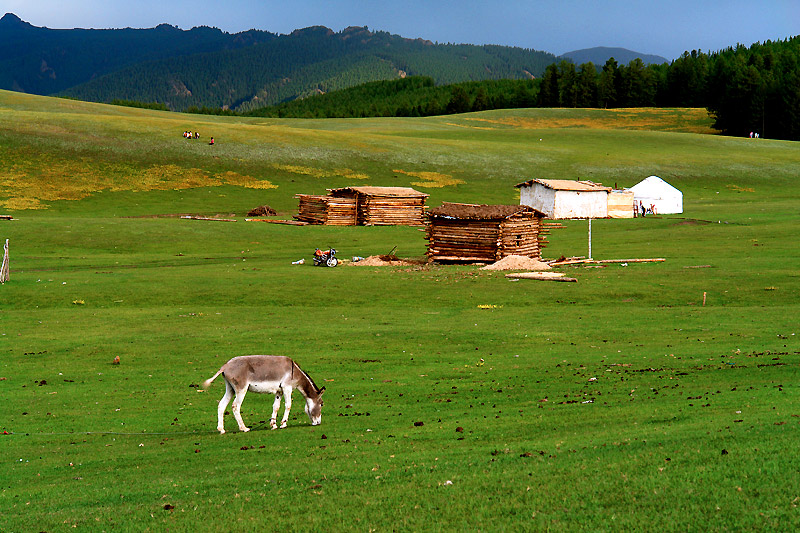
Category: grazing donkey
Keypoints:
(272, 374)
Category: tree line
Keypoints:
(746, 89)
(414, 96)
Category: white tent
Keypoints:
(657, 192)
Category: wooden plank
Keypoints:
(213, 219)
(6, 217)
(542, 276)
(570, 262)
(272, 221)
(654, 260)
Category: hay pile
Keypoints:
(517, 262)
(384, 260)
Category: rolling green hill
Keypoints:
(646, 395)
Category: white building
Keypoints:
(564, 199)
(620, 204)
(654, 191)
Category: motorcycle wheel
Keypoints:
(332, 262)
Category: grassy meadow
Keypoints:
(456, 399)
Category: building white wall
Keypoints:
(564, 204)
(620, 204)
(538, 197)
(581, 204)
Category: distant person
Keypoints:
(751, 134)
(641, 208)
(212, 141)
(197, 135)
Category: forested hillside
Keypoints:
(408, 97)
(755, 89)
(310, 61)
(206, 67)
(747, 89)
(45, 61)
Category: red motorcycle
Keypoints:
(325, 258)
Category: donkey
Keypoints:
(271, 374)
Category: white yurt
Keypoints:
(657, 192)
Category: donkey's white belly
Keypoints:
(269, 387)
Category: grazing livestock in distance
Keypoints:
(271, 374)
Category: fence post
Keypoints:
(4, 275)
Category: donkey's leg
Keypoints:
(275, 406)
(237, 406)
(287, 399)
(223, 404)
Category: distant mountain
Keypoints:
(600, 54)
(44, 61)
(208, 67)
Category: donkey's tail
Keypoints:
(207, 383)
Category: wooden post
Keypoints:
(704, 298)
(4, 275)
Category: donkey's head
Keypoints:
(314, 407)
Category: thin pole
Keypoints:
(590, 238)
(4, 273)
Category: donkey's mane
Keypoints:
(316, 389)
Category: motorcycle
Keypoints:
(325, 258)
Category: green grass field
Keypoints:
(620, 402)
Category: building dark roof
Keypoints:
(399, 192)
(478, 212)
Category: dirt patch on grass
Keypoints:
(693, 222)
(432, 179)
(38, 179)
(654, 119)
(386, 260)
(518, 262)
(181, 215)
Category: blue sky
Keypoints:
(666, 28)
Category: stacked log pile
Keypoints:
(315, 209)
(391, 211)
(386, 206)
(364, 206)
(471, 233)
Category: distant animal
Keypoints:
(271, 374)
